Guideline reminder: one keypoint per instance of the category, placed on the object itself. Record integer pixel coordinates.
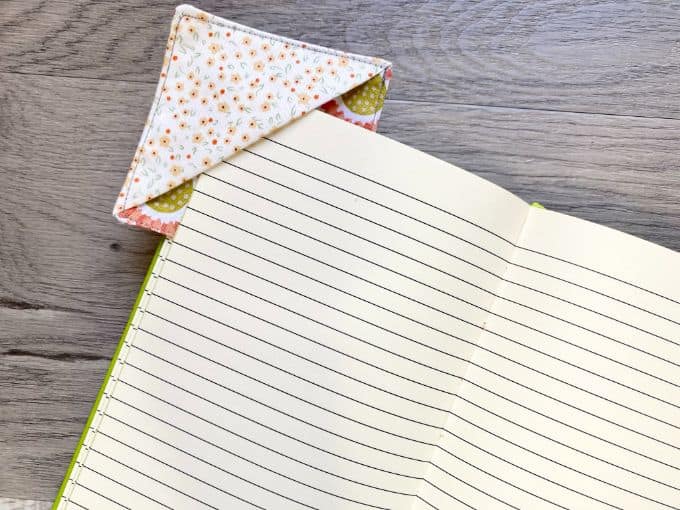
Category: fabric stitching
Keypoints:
(214, 20)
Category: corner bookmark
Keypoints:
(222, 87)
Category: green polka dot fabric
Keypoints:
(173, 200)
(368, 98)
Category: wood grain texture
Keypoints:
(23, 504)
(616, 57)
(574, 104)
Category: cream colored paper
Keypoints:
(344, 322)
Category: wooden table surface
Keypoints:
(575, 104)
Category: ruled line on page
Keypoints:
(87, 467)
(446, 252)
(490, 252)
(452, 336)
(442, 429)
(230, 473)
(462, 259)
(402, 475)
(376, 448)
(505, 460)
(170, 260)
(250, 419)
(447, 411)
(226, 346)
(466, 220)
(435, 289)
(103, 496)
(638, 432)
(249, 440)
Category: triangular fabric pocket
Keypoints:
(222, 87)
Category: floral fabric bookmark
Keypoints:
(222, 87)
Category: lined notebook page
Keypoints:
(572, 399)
(302, 339)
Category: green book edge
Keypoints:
(93, 411)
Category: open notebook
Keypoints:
(344, 322)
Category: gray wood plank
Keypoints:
(588, 56)
(23, 504)
(69, 273)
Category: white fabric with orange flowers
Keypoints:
(222, 87)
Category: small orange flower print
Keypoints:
(179, 86)
(185, 111)
(236, 78)
(235, 99)
(223, 107)
(164, 141)
(176, 170)
(210, 61)
(265, 46)
(246, 41)
(286, 83)
(197, 137)
(271, 58)
(319, 70)
(252, 124)
(206, 162)
(265, 107)
(204, 101)
(282, 55)
(202, 16)
(258, 66)
(272, 78)
(214, 48)
(191, 76)
(241, 108)
(238, 55)
(193, 94)
(250, 96)
(154, 152)
(203, 121)
(182, 100)
(231, 130)
(211, 132)
(303, 98)
(150, 142)
(245, 137)
(252, 53)
(269, 96)
(183, 125)
(343, 62)
(211, 86)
